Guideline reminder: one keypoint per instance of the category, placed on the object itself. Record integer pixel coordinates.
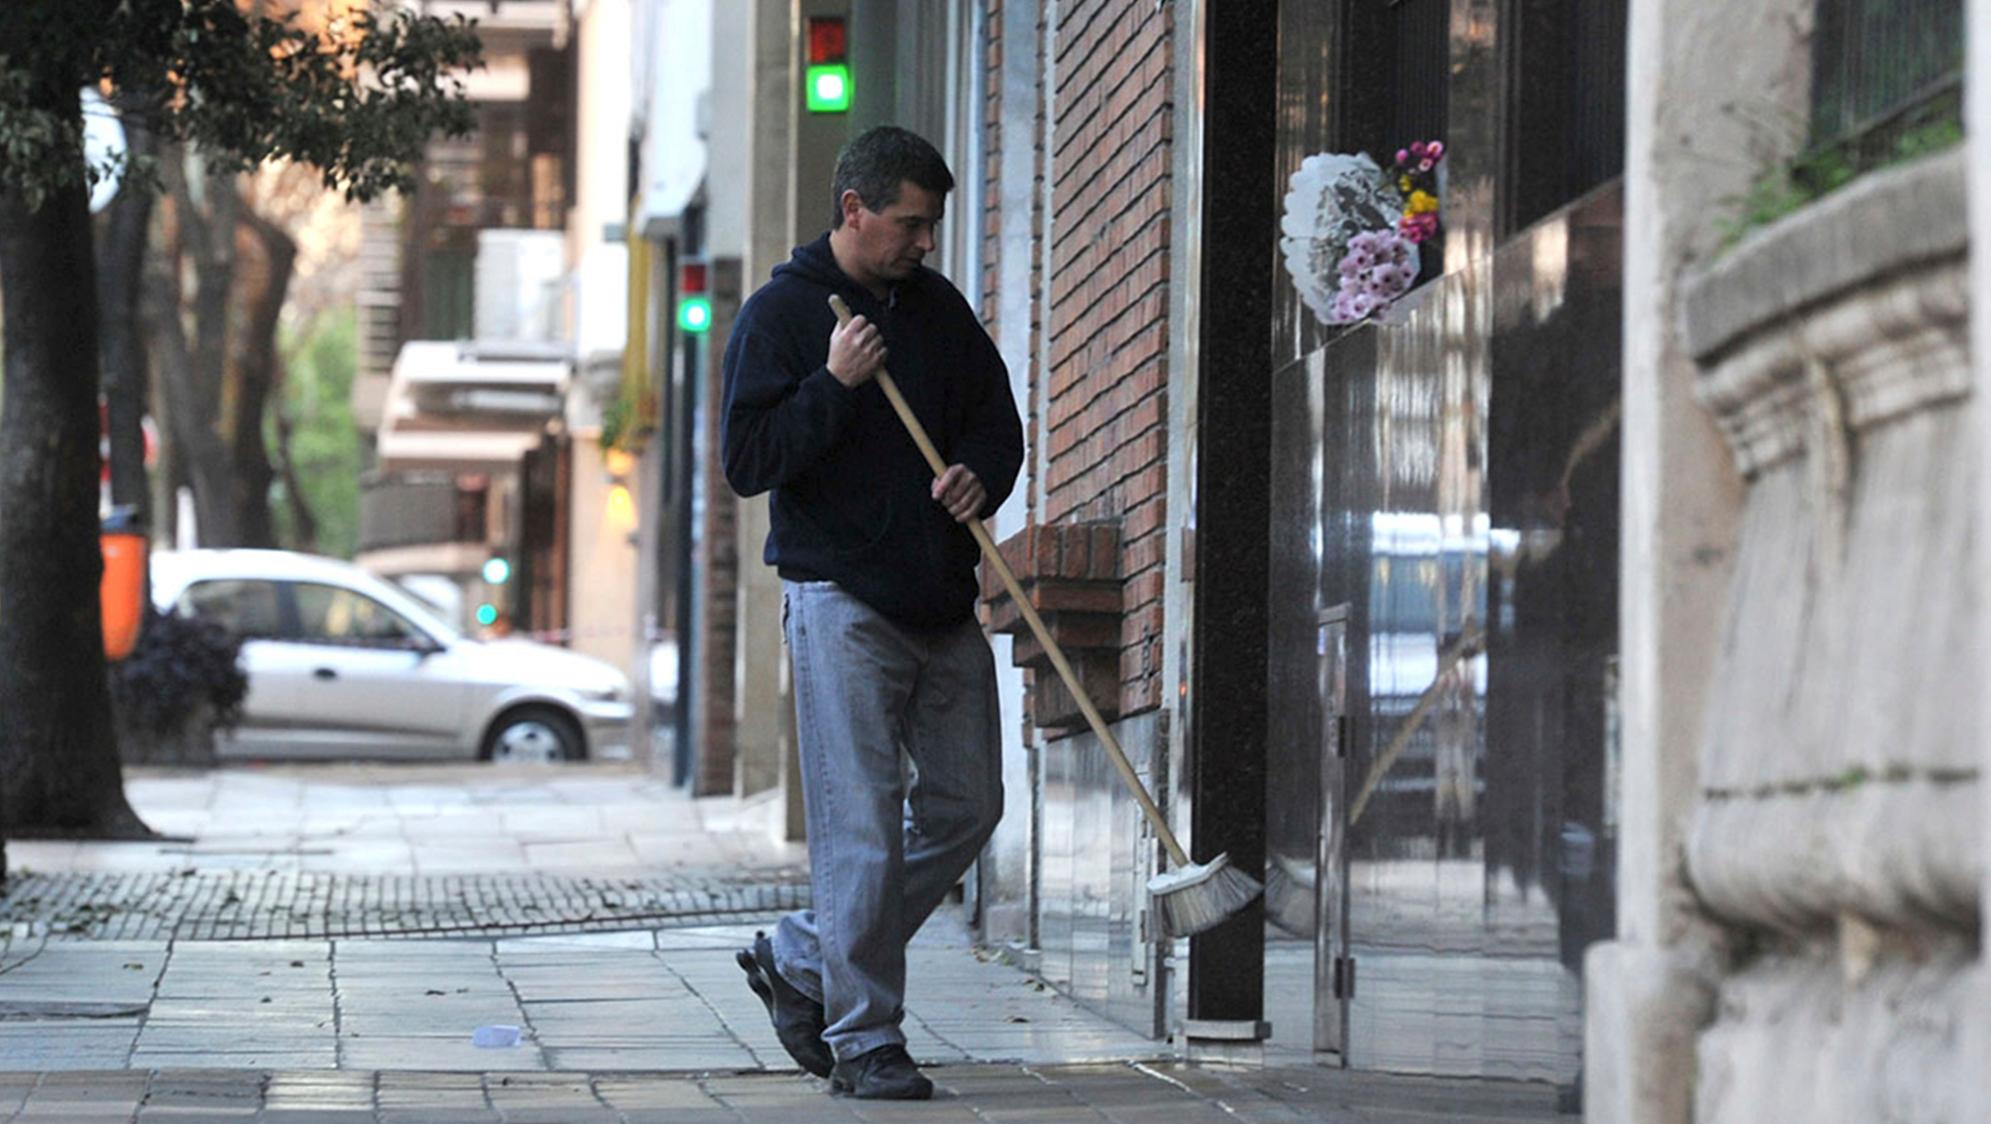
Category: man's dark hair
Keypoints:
(878, 161)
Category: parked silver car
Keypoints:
(342, 664)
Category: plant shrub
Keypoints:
(180, 667)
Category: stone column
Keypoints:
(1701, 77)
(1802, 868)
(1977, 173)
(763, 711)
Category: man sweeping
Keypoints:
(895, 693)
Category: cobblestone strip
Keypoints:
(251, 905)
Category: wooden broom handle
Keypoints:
(1113, 751)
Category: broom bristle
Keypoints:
(1199, 897)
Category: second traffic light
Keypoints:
(826, 83)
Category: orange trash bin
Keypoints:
(122, 591)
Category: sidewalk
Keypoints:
(376, 916)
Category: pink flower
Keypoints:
(1402, 157)
(1417, 228)
(1424, 165)
(1435, 150)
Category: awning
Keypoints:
(678, 87)
(466, 406)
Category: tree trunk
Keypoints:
(120, 260)
(59, 771)
(217, 381)
(265, 257)
(303, 521)
(190, 367)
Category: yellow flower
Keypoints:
(1403, 184)
(1421, 203)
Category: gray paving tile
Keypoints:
(434, 1054)
(621, 1059)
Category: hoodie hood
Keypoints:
(814, 262)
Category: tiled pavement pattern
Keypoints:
(665, 1000)
(633, 1025)
(1150, 1093)
(278, 905)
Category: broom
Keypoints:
(1191, 897)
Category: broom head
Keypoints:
(1199, 896)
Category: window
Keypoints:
(329, 614)
(249, 609)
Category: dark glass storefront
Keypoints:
(1443, 587)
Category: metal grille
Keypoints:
(1565, 103)
(1597, 93)
(1421, 83)
(1881, 68)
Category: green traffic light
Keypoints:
(828, 87)
(694, 314)
(487, 614)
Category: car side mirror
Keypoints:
(423, 645)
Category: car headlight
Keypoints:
(605, 694)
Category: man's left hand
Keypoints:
(960, 491)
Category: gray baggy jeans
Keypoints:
(882, 856)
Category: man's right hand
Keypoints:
(857, 352)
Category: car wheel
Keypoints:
(535, 735)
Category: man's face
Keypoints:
(890, 244)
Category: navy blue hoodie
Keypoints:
(853, 500)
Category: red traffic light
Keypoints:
(827, 41)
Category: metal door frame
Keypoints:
(1334, 969)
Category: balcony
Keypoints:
(426, 523)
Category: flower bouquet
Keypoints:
(1351, 233)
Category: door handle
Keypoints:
(324, 673)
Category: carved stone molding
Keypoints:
(1838, 772)
(1855, 307)
(1901, 853)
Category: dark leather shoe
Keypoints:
(884, 1074)
(798, 1019)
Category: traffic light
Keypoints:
(694, 308)
(826, 81)
(497, 571)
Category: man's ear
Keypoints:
(851, 204)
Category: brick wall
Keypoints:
(717, 570)
(1105, 457)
